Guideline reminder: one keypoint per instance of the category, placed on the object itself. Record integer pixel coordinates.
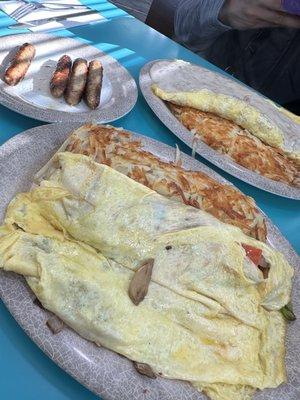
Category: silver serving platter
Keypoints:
(220, 84)
(32, 97)
(102, 371)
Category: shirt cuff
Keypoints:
(214, 12)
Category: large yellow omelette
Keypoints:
(210, 317)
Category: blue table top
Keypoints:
(25, 372)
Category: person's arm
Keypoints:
(254, 14)
(197, 23)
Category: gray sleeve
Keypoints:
(196, 23)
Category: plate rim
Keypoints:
(221, 161)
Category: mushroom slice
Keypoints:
(139, 284)
(55, 324)
(144, 369)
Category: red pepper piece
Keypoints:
(253, 253)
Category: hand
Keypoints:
(253, 14)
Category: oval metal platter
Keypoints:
(32, 97)
(102, 371)
(214, 81)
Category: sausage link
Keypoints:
(60, 76)
(94, 84)
(77, 82)
(19, 64)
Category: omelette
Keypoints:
(233, 127)
(211, 314)
(118, 149)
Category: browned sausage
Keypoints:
(60, 76)
(19, 64)
(77, 81)
(94, 84)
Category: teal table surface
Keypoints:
(25, 372)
